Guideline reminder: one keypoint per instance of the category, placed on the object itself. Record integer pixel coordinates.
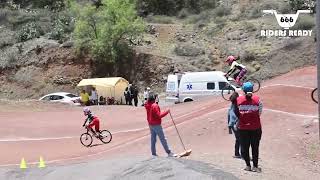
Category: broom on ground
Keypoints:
(186, 152)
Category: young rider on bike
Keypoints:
(93, 121)
(231, 60)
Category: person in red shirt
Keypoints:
(249, 110)
(93, 122)
(154, 118)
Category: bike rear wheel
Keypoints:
(105, 136)
(86, 139)
(227, 91)
(314, 95)
(256, 84)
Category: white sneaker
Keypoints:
(172, 155)
(256, 169)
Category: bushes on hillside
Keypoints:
(62, 25)
(222, 11)
(196, 6)
(29, 31)
(255, 10)
(188, 50)
(51, 4)
(305, 22)
(160, 19)
(183, 13)
(249, 27)
(248, 56)
(302, 4)
(172, 7)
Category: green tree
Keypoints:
(107, 30)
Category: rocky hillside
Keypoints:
(47, 62)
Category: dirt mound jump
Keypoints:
(125, 169)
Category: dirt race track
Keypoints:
(289, 147)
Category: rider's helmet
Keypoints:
(247, 87)
(86, 111)
(230, 59)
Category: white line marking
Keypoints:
(35, 139)
(288, 85)
(140, 129)
(112, 148)
(141, 138)
(73, 137)
(292, 114)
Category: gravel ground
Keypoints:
(124, 169)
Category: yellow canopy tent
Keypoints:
(107, 87)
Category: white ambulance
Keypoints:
(190, 86)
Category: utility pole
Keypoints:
(318, 56)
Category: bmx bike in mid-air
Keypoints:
(229, 89)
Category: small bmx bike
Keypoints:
(229, 88)
(86, 138)
(314, 95)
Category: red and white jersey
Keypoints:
(250, 110)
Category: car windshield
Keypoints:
(71, 95)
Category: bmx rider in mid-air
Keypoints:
(231, 60)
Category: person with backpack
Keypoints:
(250, 109)
(233, 122)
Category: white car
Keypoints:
(62, 97)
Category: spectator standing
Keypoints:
(135, 94)
(145, 95)
(250, 109)
(233, 122)
(154, 118)
(94, 96)
(85, 98)
(130, 89)
(127, 95)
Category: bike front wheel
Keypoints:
(227, 91)
(105, 136)
(86, 139)
(314, 95)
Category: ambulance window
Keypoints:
(211, 86)
(171, 86)
(222, 85)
